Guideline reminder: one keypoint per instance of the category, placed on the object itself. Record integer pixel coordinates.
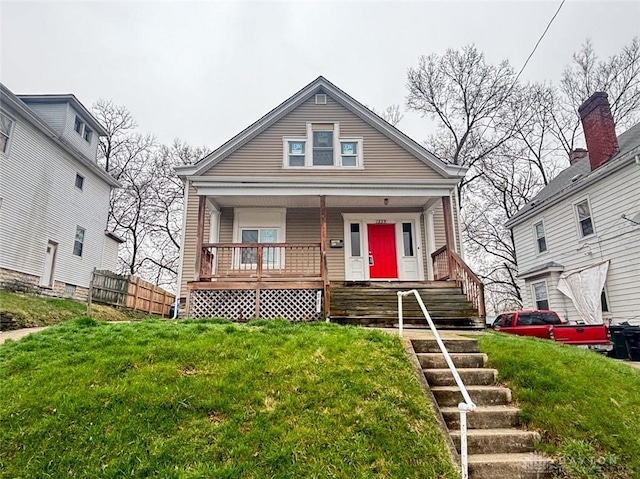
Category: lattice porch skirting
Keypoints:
(240, 305)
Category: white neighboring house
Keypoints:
(54, 198)
(581, 233)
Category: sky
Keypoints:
(203, 71)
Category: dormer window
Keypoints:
(323, 148)
(82, 129)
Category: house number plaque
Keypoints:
(381, 222)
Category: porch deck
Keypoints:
(245, 280)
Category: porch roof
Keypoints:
(280, 192)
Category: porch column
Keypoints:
(323, 253)
(430, 238)
(448, 231)
(202, 207)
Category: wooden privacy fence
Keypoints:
(129, 291)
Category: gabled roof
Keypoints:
(71, 99)
(7, 97)
(321, 84)
(579, 176)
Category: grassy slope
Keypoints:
(28, 310)
(571, 394)
(198, 399)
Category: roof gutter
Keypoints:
(9, 98)
(611, 167)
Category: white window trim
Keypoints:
(83, 242)
(257, 218)
(11, 130)
(574, 205)
(535, 237)
(534, 301)
(308, 150)
(393, 218)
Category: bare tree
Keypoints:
(618, 75)
(471, 102)
(513, 137)
(391, 114)
(147, 210)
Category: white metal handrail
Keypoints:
(463, 407)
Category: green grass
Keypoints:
(586, 406)
(28, 310)
(198, 399)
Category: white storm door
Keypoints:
(410, 266)
(356, 270)
(46, 279)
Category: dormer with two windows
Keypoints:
(70, 119)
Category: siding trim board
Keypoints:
(323, 85)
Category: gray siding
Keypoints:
(40, 203)
(615, 239)
(87, 148)
(54, 114)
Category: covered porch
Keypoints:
(281, 259)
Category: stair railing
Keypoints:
(463, 407)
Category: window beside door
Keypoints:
(270, 255)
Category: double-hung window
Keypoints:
(541, 237)
(323, 148)
(583, 214)
(5, 132)
(540, 295)
(79, 241)
(78, 125)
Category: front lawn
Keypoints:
(198, 399)
(28, 310)
(586, 406)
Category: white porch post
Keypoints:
(430, 236)
(214, 226)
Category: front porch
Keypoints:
(257, 275)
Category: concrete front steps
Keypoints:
(497, 447)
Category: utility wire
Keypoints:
(538, 43)
(522, 69)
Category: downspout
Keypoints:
(185, 205)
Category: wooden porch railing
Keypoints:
(261, 261)
(447, 264)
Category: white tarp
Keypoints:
(584, 287)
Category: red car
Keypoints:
(548, 325)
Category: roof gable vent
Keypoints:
(321, 99)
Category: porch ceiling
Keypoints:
(311, 201)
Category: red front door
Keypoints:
(382, 251)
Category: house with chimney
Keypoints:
(578, 241)
(54, 196)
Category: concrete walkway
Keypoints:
(18, 333)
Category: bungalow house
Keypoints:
(315, 206)
(578, 241)
(54, 197)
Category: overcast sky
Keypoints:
(203, 71)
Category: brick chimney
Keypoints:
(577, 154)
(599, 129)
